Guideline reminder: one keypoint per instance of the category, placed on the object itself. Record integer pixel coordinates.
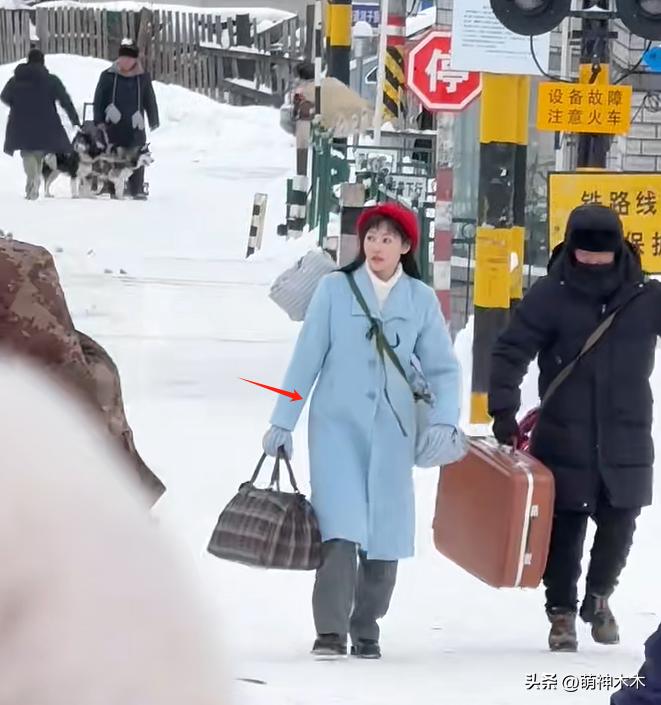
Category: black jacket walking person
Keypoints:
(124, 94)
(34, 127)
(644, 688)
(595, 431)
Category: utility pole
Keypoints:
(381, 71)
(594, 68)
(565, 70)
(442, 268)
(500, 229)
(339, 40)
(394, 60)
(390, 67)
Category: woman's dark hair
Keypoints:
(408, 261)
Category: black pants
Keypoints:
(136, 183)
(351, 592)
(612, 542)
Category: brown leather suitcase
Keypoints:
(494, 512)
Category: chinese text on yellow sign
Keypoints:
(584, 107)
(635, 197)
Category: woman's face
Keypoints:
(126, 63)
(384, 248)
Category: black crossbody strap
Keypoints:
(377, 329)
(593, 339)
(382, 345)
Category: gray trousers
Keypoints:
(351, 592)
(32, 164)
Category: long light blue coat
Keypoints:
(361, 464)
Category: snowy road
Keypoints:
(186, 320)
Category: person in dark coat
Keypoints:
(594, 433)
(123, 95)
(34, 127)
(645, 688)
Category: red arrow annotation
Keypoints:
(293, 396)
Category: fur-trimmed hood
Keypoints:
(137, 70)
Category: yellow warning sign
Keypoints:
(584, 107)
(635, 197)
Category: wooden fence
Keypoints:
(14, 35)
(222, 57)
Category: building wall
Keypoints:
(640, 150)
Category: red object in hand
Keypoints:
(526, 427)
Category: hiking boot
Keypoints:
(562, 636)
(330, 646)
(366, 648)
(595, 611)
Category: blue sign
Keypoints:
(369, 12)
(652, 59)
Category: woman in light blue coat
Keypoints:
(364, 433)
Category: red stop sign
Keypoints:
(430, 77)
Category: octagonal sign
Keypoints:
(431, 78)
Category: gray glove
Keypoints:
(276, 438)
(440, 445)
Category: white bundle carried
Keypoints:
(292, 291)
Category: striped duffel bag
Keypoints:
(292, 291)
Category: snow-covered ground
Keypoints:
(186, 320)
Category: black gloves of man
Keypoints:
(506, 429)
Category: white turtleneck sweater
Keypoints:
(383, 288)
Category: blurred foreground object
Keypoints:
(35, 321)
(343, 110)
(95, 606)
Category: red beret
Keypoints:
(405, 220)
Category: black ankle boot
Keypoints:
(330, 646)
(366, 648)
(596, 611)
(562, 636)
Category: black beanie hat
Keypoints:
(594, 228)
(305, 70)
(129, 48)
(36, 57)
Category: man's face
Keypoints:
(126, 63)
(594, 258)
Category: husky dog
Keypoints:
(78, 165)
(115, 167)
(93, 166)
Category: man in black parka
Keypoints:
(645, 687)
(34, 128)
(595, 432)
(123, 95)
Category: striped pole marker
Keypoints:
(503, 136)
(394, 78)
(297, 196)
(352, 202)
(318, 52)
(518, 236)
(257, 223)
(443, 221)
(443, 240)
